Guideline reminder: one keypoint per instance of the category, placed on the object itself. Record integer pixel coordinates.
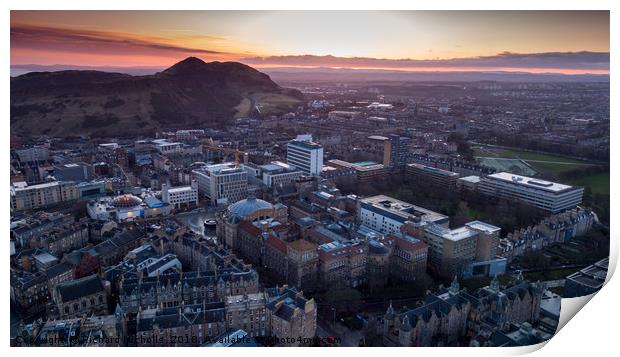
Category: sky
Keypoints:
(570, 42)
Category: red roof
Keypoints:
(276, 243)
(249, 228)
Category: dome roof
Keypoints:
(247, 207)
(125, 201)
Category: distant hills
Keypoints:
(327, 74)
(191, 93)
(321, 74)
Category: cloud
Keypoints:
(93, 42)
(553, 60)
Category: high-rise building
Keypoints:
(222, 183)
(305, 155)
(546, 195)
(396, 150)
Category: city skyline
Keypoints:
(566, 42)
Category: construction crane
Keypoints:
(236, 152)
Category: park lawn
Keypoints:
(599, 183)
(528, 155)
(555, 167)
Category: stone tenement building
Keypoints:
(557, 228)
(181, 326)
(453, 314)
(199, 255)
(290, 315)
(172, 290)
(280, 313)
(64, 239)
(275, 313)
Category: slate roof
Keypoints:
(75, 289)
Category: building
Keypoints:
(306, 156)
(182, 196)
(453, 313)
(283, 314)
(453, 251)
(237, 338)
(557, 228)
(64, 239)
(57, 274)
(365, 171)
(34, 225)
(278, 173)
(26, 197)
(341, 115)
(81, 297)
(586, 281)
(78, 172)
(431, 175)
(251, 209)
(468, 183)
(523, 334)
(408, 257)
(91, 331)
(181, 326)
(291, 318)
(343, 263)
(386, 214)
(247, 312)
(29, 291)
(546, 195)
(264, 244)
(126, 207)
(222, 183)
(35, 154)
(396, 151)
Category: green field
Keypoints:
(544, 163)
(599, 184)
(549, 165)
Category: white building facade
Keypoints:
(546, 195)
(180, 196)
(306, 156)
(222, 183)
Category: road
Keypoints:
(348, 337)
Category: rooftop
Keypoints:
(530, 182)
(305, 144)
(401, 210)
(434, 170)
